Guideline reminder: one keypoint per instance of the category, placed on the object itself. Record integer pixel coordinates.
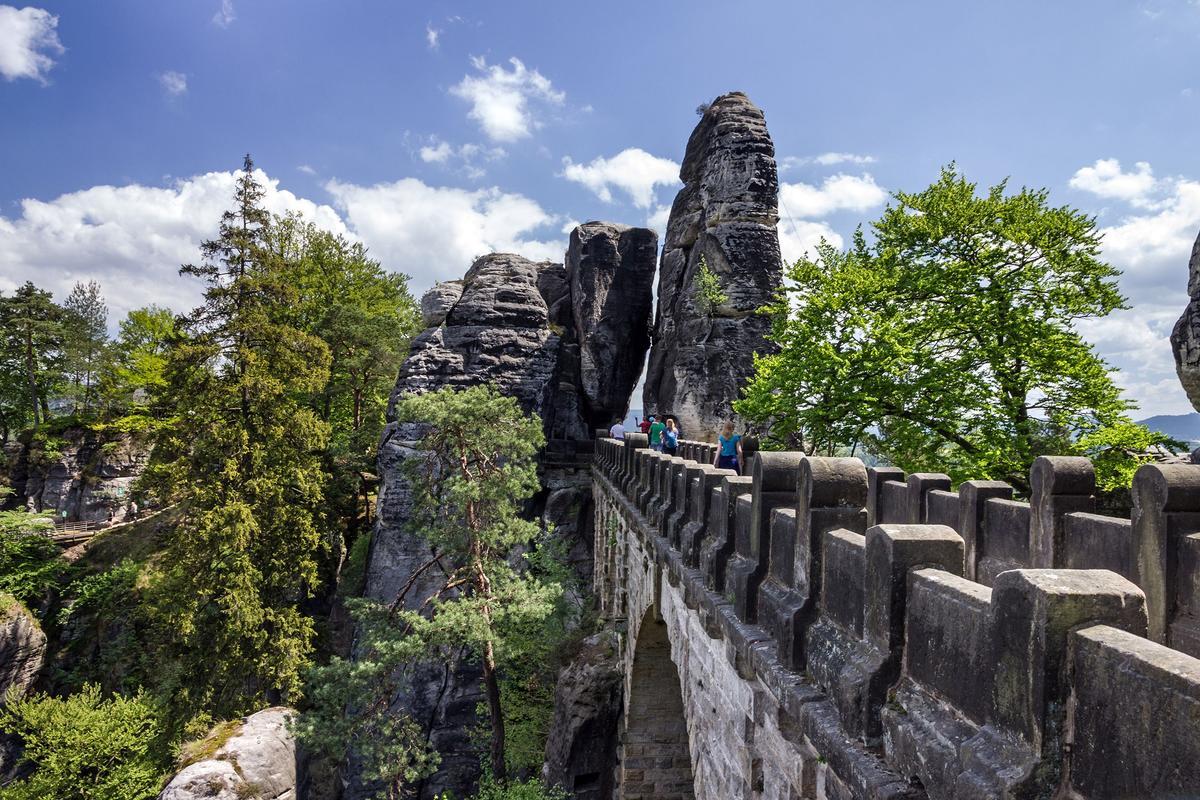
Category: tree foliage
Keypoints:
(31, 353)
(85, 338)
(949, 342)
(474, 472)
(242, 453)
(85, 747)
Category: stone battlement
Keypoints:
(844, 632)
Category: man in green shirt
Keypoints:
(656, 432)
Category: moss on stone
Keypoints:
(206, 748)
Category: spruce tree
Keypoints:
(242, 455)
(31, 344)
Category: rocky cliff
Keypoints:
(77, 475)
(22, 653)
(1185, 338)
(567, 342)
(257, 759)
(724, 216)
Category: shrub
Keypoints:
(85, 747)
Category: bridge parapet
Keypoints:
(888, 636)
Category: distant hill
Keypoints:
(1184, 427)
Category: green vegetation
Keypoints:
(475, 472)
(706, 289)
(263, 406)
(85, 747)
(949, 342)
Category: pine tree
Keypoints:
(85, 337)
(31, 343)
(242, 453)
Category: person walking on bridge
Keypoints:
(617, 431)
(729, 452)
(656, 432)
(670, 438)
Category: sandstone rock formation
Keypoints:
(22, 646)
(22, 653)
(257, 761)
(581, 751)
(567, 343)
(1185, 338)
(610, 300)
(83, 477)
(725, 214)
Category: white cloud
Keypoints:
(839, 192)
(1151, 246)
(1106, 179)
(175, 83)
(225, 14)
(431, 36)
(306, 169)
(433, 233)
(131, 239)
(27, 37)
(501, 99)
(826, 160)
(467, 159)
(633, 170)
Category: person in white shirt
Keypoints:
(617, 431)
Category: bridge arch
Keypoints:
(655, 752)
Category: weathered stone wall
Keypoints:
(876, 666)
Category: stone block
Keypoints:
(1060, 485)
(1133, 719)
(876, 478)
(1032, 614)
(719, 541)
(776, 481)
(972, 495)
(1166, 508)
(919, 485)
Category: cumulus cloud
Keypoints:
(503, 100)
(633, 171)
(467, 159)
(225, 14)
(174, 83)
(826, 160)
(1151, 245)
(131, 239)
(1106, 179)
(431, 36)
(803, 207)
(28, 40)
(433, 233)
(836, 193)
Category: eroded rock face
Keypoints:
(581, 749)
(611, 270)
(258, 761)
(22, 653)
(725, 214)
(86, 479)
(22, 646)
(1185, 338)
(567, 344)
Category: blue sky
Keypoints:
(435, 132)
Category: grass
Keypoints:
(203, 749)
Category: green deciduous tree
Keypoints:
(475, 470)
(85, 747)
(949, 342)
(137, 359)
(242, 453)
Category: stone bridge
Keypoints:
(817, 629)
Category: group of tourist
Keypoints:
(664, 437)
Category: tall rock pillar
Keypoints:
(1185, 338)
(725, 215)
